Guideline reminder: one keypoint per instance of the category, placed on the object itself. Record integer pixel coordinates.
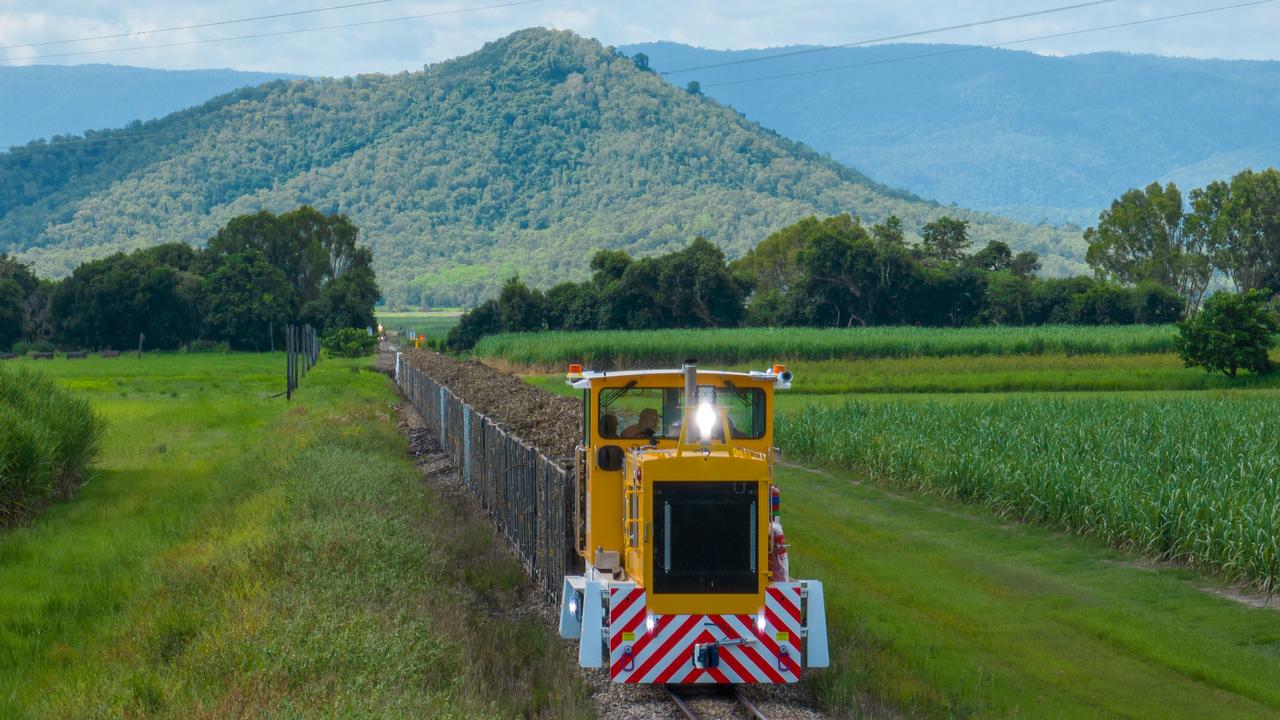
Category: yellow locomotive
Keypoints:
(686, 576)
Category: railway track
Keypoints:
(734, 696)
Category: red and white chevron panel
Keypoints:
(646, 648)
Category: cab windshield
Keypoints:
(645, 413)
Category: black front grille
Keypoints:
(706, 537)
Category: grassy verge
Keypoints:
(943, 611)
(665, 348)
(235, 557)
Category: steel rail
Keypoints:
(680, 703)
(751, 709)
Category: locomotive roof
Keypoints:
(582, 380)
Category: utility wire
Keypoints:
(889, 38)
(276, 34)
(217, 23)
(970, 48)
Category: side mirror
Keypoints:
(609, 457)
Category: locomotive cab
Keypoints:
(677, 521)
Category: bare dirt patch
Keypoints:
(1246, 596)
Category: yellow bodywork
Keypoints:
(616, 513)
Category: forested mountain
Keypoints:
(41, 101)
(1024, 135)
(522, 157)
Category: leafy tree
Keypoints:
(310, 248)
(773, 265)
(1103, 304)
(693, 88)
(350, 342)
(1155, 304)
(478, 322)
(11, 313)
(347, 301)
(1231, 332)
(840, 276)
(1025, 263)
(946, 239)
(177, 255)
(996, 256)
(641, 62)
(696, 288)
(610, 265)
(33, 299)
(109, 302)
(954, 295)
(1243, 220)
(1009, 298)
(573, 306)
(246, 299)
(1145, 236)
(520, 308)
(1053, 300)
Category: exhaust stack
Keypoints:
(690, 370)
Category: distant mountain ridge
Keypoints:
(1028, 136)
(41, 101)
(523, 157)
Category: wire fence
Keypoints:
(527, 495)
(302, 352)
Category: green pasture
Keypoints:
(240, 556)
(615, 349)
(434, 325)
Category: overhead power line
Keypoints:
(279, 33)
(216, 23)
(971, 48)
(890, 38)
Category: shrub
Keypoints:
(23, 347)
(350, 343)
(48, 439)
(206, 346)
(1231, 332)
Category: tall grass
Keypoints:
(621, 348)
(1190, 480)
(48, 438)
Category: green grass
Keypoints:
(666, 348)
(938, 609)
(434, 325)
(237, 556)
(1194, 478)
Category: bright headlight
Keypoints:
(705, 416)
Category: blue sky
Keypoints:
(1247, 33)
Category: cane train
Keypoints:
(677, 520)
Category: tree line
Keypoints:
(832, 272)
(1154, 256)
(1228, 227)
(259, 273)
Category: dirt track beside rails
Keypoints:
(550, 422)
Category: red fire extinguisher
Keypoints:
(779, 565)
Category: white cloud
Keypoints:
(390, 47)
